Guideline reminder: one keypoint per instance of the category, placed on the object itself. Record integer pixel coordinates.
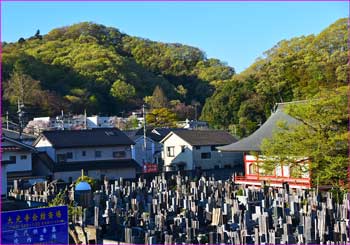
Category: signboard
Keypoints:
(35, 226)
(150, 168)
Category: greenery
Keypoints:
(98, 68)
(161, 117)
(294, 69)
(320, 140)
(122, 91)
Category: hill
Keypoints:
(74, 68)
(97, 68)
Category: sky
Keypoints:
(237, 33)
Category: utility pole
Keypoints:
(144, 127)
(7, 120)
(20, 113)
(144, 131)
(85, 119)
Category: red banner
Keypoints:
(150, 168)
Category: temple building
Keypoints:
(251, 148)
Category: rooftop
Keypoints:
(86, 138)
(253, 141)
(204, 137)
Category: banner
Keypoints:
(35, 226)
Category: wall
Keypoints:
(44, 145)
(141, 155)
(21, 164)
(217, 159)
(3, 179)
(111, 174)
(106, 153)
(179, 156)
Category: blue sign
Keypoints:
(39, 226)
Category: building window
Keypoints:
(170, 151)
(98, 153)
(83, 153)
(213, 148)
(183, 148)
(119, 154)
(206, 155)
(23, 157)
(13, 158)
(69, 155)
(61, 157)
(198, 147)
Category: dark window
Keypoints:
(213, 148)
(170, 151)
(69, 155)
(98, 153)
(13, 158)
(83, 153)
(183, 148)
(61, 157)
(198, 147)
(118, 154)
(206, 155)
(23, 157)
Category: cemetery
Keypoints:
(184, 210)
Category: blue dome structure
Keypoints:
(83, 186)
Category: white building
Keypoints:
(99, 151)
(192, 149)
(16, 161)
(145, 152)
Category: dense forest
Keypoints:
(97, 68)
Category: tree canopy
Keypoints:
(294, 69)
(321, 138)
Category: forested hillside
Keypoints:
(97, 68)
(93, 67)
(295, 69)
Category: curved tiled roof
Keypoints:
(253, 141)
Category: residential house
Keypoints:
(251, 148)
(100, 152)
(19, 154)
(193, 149)
(145, 151)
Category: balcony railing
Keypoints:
(258, 179)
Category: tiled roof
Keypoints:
(87, 138)
(205, 137)
(253, 141)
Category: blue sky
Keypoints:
(234, 32)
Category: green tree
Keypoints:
(159, 99)
(21, 87)
(122, 91)
(321, 137)
(161, 117)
